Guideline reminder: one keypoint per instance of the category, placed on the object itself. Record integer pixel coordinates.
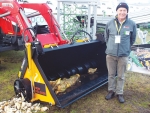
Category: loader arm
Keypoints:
(44, 10)
(17, 12)
(14, 23)
(15, 26)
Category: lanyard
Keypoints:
(118, 29)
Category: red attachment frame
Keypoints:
(15, 17)
(54, 35)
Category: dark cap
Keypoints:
(122, 4)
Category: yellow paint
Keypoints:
(82, 40)
(10, 33)
(33, 74)
(50, 45)
(19, 74)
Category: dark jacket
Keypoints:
(122, 48)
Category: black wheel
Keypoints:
(23, 86)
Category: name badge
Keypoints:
(127, 32)
(117, 38)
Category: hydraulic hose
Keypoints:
(79, 31)
(34, 38)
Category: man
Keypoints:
(120, 34)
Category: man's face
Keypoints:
(122, 13)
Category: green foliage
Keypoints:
(138, 40)
(9, 67)
(100, 30)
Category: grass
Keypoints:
(9, 67)
(136, 91)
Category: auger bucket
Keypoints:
(42, 67)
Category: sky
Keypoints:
(136, 1)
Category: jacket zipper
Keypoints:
(120, 38)
(118, 43)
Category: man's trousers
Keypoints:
(116, 66)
